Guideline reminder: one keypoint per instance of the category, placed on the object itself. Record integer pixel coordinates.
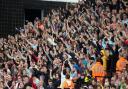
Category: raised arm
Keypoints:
(28, 42)
(71, 66)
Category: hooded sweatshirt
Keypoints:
(104, 59)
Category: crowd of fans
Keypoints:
(81, 46)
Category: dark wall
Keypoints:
(40, 4)
(31, 14)
(11, 15)
(12, 12)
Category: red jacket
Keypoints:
(34, 58)
(126, 42)
(32, 83)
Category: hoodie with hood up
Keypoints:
(104, 59)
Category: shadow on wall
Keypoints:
(31, 14)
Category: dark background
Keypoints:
(30, 14)
(11, 15)
(14, 12)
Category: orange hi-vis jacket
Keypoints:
(121, 64)
(98, 71)
(68, 84)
